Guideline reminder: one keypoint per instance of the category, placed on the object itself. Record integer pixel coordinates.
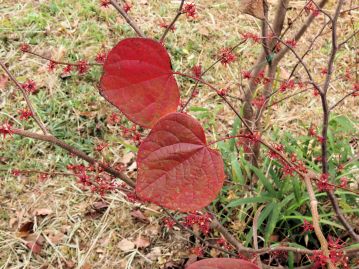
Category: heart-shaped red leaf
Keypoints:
(176, 168)
(138, 80)
(223, 263)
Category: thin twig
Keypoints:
(53, 140)
(179, 13)
(127, 18)
(34, 115)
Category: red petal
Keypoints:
(222, 263)
(176, 169)
(138, 80)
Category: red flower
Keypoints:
(198, 251)
(258, 102)
(169, 223)
(249, 36)
(29, 86)
(203, 221)
(105, 3)
(324, 71)
(127, 7)
(246, 74)
(307, 226)
(24, 47)
(101, 146)
(222, 92)
(5, 129)
(113, 119)
(319, 259)
(323, 183)
(343, 182)
(190, 10)
(67, 69)
(291, 43)
(197, 71)
(25, 114)
(166, 25)
(82, 67)
(101, 57)
(51, 66)
(226, 56)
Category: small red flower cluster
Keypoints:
(131, 133)
(93, 177)
(197, 71)
(287, 85)
(198, 251)
(336, 255)
(249, 36)
(307, 226)
(291, 43)
(6, 129)
(24, 47)
(101, 57)
(82, 67)
(248, 141)
(313, 133)
(113, 119)
(169, 223)
(223, 92)
(311, 8)
(101, 146)
(25, 114)
(356, 89)
(202, 221)
(126, 7)
(226, 56)
(190, 10)
(323, 183)
(51, 66)
(29, 86)
(104, 3)
(296, 165)
(319, 259)
(166, 25)
(224, 244)
(259, 102)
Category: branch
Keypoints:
(127, 18)
(28, 102)
(179, 13)
(53, 140)
(342, 99)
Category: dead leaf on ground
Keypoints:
(34, 247)
(138, 215)
(126, 245)
(142, 241)
(42, 212)
(3, 81)
(25, 229)
(254, 8)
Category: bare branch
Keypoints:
(169, 27)
(28, 102)
(127, 18)
(53, 140)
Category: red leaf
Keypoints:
(222, 263)
(138, 80)
(176, 169)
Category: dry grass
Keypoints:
(72, 234)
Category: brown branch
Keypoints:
(342, 99)
(127, 18)
(169, 27)
(325, 125)
(315, 220)
(53, 140)
(56, 62)
(28, 102)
